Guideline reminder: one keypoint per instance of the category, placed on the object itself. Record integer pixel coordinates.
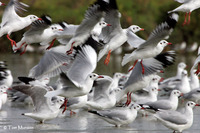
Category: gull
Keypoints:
(119, 116)
(155, 44)
(114, 36)
(197, 63)
(187, 6)
(93, 15)
(3, 96)
(152, 93)
(6, 77)
(175, 120)
(69, 31)
(76, 102)
(137, 80)
(44, 108)
(193, 95)
(165, 104)
(173, 81)
(56, 61)
(184, 85)
(194, 80)
(12, 22)
(41, 31)
(104, 102)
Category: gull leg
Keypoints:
(72, 112)
(64, 105)
(129, 98)
(12, 41)
(185, 21)
(24, 50)
(51, 45)
(189, 18)
(20, 46)
(133, 66)
(127, 101)
(71, 50)
(142, 67)
(107, 60)
(198, 69)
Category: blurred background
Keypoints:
(145, 13)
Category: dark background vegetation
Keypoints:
(145, 13)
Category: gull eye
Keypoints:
(55, 27)
(134, 107)
(174, 92)
(137, 27)
(90, 76)
(133, 28)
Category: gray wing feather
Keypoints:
(151, 66)
(134, 40)
(172, 116)
(84, 64)
(36, 93)
(10, 11)
(51, 64)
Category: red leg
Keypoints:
(72, 112)
(12, 41)
(185, 21)
(71, 50)
(189, 18)
(198, 69)
(133, 66)
(20, 46)
(107, 60)
(142, 67)
(51, 45)
(24, 50)
(129, 98)
(64, 105)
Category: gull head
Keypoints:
(191, 104)
(56, 28)
(163, 43)
(135, 106)
(176, 93)
(94, 76)
(182, 65)
(33, 18)
(135, 28)
(184, 73)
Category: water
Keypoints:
(12, 121)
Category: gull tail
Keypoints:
(53, 93)
(127, 58)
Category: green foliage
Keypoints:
(145, 13)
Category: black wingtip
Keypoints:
(167, 58)
(103, 6)
(62, 24)
(47, 19)
(113, 4)
(148, 107)
(172, 19)
(26, 80)
(94, 112)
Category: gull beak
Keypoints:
(100, 76)
(9, 88)
(141, 29)
(3, 4)
(109, 25)
(39, 18)
(197, 105)
(181, 94)
(61, 30)
(142, 108)
(169, 43)
(159, 89)
(161, 79)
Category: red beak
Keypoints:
(161, 79)
(109, 25)
(3, 4)
(141, 29)
(169, 43)
(159, 89)
(197, 105)
(100, 76)
(61, 30)
(39, 18)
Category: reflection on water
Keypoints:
(11, 119)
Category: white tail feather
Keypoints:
(127, 58)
